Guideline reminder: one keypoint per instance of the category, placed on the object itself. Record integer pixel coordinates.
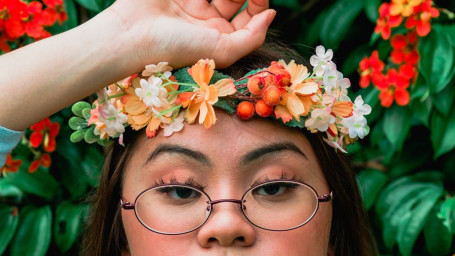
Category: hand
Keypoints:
(184, 31)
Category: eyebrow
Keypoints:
(172, 148)
(270, 149)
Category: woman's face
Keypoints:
(227, 160)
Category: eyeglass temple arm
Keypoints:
(126, 205)
(326, 197)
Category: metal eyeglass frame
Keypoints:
(322, 198)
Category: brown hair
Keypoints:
(349, 235)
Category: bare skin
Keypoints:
(227, 232)
(42, 78)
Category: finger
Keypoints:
(254, 7)
(227, 8)
(233, 46)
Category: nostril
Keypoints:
(212, 239)
(241, 238)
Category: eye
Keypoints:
(180, 193)
(273, 188)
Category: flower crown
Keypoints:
(157, 99)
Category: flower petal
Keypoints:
(306, 88)
(283, 113)
(225, 87)
(152, 126)
(192, 111)
(295, 106)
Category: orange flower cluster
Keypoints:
(404, 56)
(18, 19)
(417, 15)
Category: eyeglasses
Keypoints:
(278, 205)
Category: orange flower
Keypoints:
(403, 7)
(297, 98)
(10, 165)
(139, 114)
(202, 100)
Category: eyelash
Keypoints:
(173, 181)
(284, 176)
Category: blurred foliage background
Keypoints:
(406, 166)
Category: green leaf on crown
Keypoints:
(79, 106)
(294, 123)
(182, 76)
(217, 76)
(225, 105)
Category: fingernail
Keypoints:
(271, 17)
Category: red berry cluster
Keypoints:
(268, 88)
(19, 19)
(404, 56)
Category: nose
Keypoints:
(227, 226)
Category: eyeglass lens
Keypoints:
(274, 205)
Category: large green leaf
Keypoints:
(371, 9)
(447, 214)
(92, 5)
(398, 197)
(67, 224)
(397, 122)
(438, 238)
(410, 228)
(422, 110)
(8, 225)
(338, 21)
(33, 235)
(9, 190)
(370, 183)
(442, 132)
(437, 59)
(443, 101)
(39, 183)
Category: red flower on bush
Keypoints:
(44, 160)
(421, 18)
(386, 21)
(393, 87)
(370, 69)
(405, 49)
(19, 18)
(44, 132)
(11, 165)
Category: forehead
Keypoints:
(227, 142)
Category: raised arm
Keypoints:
(42, 78)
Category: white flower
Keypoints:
(149, 92)
(161, 67)
(175, 126)
(357, 123)
(321, 59)
(360, 108)
(320, 119)
(335, 84)
(113, 120)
